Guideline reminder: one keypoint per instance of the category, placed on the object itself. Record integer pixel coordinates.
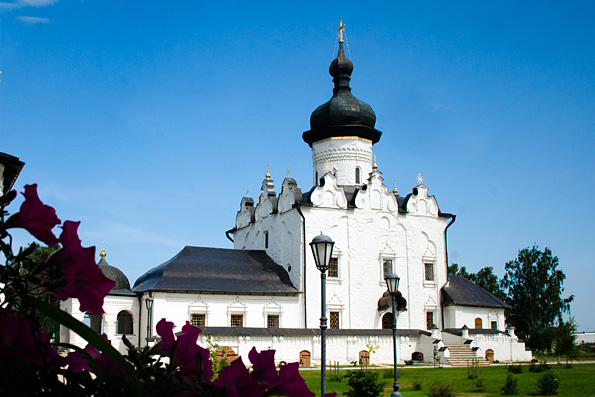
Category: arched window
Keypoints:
(358, 177)
(478, 323)
(490, 355)
(387, 321)
(417, 356)
(124, 323)
(94, 321)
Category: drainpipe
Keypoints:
(299, 210)
(452, 217)
(140, 311)
(227, 234)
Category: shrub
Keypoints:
(515, 369)
(440, 389)
(480, 383)
(510, 386)
(417, 384)
(408, 362)
(548, 384)
(543, 366)
(364, 383)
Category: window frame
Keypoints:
(334, 323)
(335, 260)
(231, 320)
(430, 316)
(277, 321)
(204, 319)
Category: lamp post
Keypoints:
(322, 249)
(149, 303)
(392, 283)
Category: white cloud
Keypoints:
(9, 6)
(33, 20)
(37, 3)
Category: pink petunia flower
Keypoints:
(263, 367)
(187, 350)
(239, 380)
(16, 340)
(79, 363)
(85, 281)
(35, 217)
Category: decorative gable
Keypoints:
(267, 202)
(290, 194)
(245, 215)
(329, 195)
(375, 195)
(421, 204)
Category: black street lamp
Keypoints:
(149, 303)
(322, 249)
(392, 283)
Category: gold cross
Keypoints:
(340, 31)
(420, 179)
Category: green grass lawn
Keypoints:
(577, 381)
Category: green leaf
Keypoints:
(90, 336)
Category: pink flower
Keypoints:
(263, 367)
(35, 217)
(85, 281)
(79, 363)
(165, 329)
(187, 351)
(16, 340)
(238, 378)
(294, 385)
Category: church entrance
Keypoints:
(364, 358)
(490, 355)
(304, 358)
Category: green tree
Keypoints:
(485, 278)
(39, 255)
(564, 339)
(534, 291)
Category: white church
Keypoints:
(265, 292)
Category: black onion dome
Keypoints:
(343, 114)
(122, 286)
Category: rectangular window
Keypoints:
(387, 267)
(237, 320)
(494, 324)
(429, 320)
(334, 320)
(198, 320)
(333, 270)
(272, 321)
(266, 239)
(429, 271)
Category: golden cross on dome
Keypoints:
(103, 254)
(420, 179)
(288, 170)
(395, 191)
(375, 166)
(340, 31)
(248, 192)
(268, 174)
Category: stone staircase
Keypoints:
(462, 355)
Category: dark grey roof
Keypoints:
(218, 270)
(462, 292)
(122, 286)
(308, 331)
(12, 169)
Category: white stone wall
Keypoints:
(112, 306)
(457, 316)
(341, 156)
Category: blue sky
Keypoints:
(149, 121)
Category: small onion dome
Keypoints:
(343, 114)
(122, 286)
(385, 301)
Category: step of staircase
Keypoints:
(462, 356)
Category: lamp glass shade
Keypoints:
(149, 303)
(322, 249)
(392, 283)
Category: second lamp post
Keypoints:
(322, 249)
(392, 283)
